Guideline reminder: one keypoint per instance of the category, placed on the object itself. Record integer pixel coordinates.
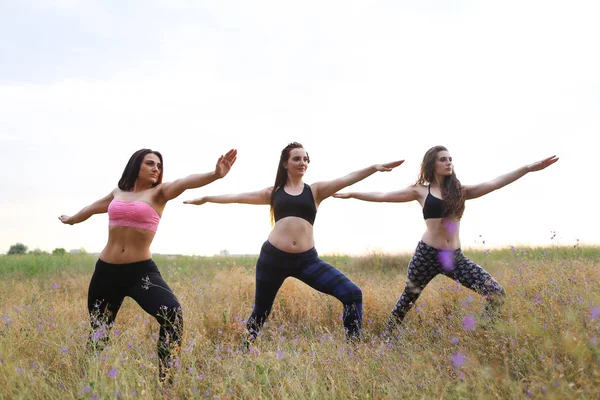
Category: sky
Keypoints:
(84, 84)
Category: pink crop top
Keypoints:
(136, 214)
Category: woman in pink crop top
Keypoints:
(442, 197)
(125, 266)
(289, 250)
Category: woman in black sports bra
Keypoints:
(290, 248)
(442, 197)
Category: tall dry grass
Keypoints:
(545, 344)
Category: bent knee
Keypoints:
(353, 295)
(170, 314)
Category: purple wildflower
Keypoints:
(454, 340)
(595, 313)
(469, 322)
(113, 372)
(55, 286)
(450, 226)
(446, 258)
(458, 360)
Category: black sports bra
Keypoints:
(433, 207)
(302, 206)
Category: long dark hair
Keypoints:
(281, 177)
(452, 190)
(132, 169)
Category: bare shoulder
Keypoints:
(266, 192)
(115, 193)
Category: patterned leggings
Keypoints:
(427, 262)
(142, 282)
(274, 266)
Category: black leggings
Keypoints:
(142, 282)
(274, 266)
(427, 262)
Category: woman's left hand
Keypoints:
(388, 166)
(540, 165)
(225, 162)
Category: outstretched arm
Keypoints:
(324, 189)
(400, 196)
(97, 207)
(474, 191)
(259, 197)
(171, 190)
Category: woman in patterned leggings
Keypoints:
(442, 197)
(289, 250)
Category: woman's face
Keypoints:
(150, 168)
(443, 163)
(297, 162)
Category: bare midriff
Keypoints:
(127, 245)
(442, 233)
(292, 235)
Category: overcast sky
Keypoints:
(84, 84)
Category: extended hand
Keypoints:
(539, 165)
(388, 166)
(65, 219)
(225, 162)
(198, 201)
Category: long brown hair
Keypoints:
(132, 169)
(281, 177)
(453, 192)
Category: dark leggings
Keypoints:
(274, 266)
(142, 282)
(427, 262)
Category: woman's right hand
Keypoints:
(198, 201)
(65, 219)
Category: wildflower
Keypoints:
(113, 372)
(595, 313)
(454, 340)
(55, 286)
(446, 258)
(279, 354)
(450, 226)
(64, 350)
(458, 360)
(469, 322)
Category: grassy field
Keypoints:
(544, 346)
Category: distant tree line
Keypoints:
(20, 248)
